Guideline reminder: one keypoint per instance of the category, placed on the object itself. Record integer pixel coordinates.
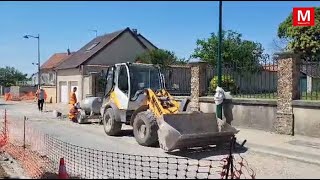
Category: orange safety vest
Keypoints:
(73, 98)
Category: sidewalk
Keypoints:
(301, 148)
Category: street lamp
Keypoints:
(36, 37)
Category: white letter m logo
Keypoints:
(303, 16)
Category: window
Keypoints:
(143, 77)
(109, 80)
(123, 79)
(92, 46)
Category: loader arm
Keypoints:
(161, 103)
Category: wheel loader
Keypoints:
(135, 95)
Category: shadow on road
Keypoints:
(49, 175)
(1, 104)
(208, 151)
(125, 132)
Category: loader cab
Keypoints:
(144, 76)
(127, 82)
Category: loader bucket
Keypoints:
(192, 129)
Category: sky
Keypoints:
(170, 25)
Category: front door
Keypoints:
(63, 92)
(122, 88)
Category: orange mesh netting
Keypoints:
(21, 97)
(40, 153)
(7, 96)
(32, 162)
(28, 96)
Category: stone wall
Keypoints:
(248, 113)
(285, 115)
(306, 118)
(198, 71)
(261, 114)
(288, 85)
(195, 93)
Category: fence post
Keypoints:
(198, 73)
(288, 90)
(5, 125)
(24, 132)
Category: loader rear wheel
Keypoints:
(145, 129)
(110, 125)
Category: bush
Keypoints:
(228, 84)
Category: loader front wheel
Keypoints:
(110, 125)
(145, 129)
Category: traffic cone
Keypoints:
(62, 170)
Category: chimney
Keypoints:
(68, 50)
(135, 31)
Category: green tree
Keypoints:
(235, 51)
(9, 76)
(160, 57)
(304, 40)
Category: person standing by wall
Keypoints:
(41, 96)
(72, 105)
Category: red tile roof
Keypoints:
(271, 67)
(54, 60)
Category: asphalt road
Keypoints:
(93, 136)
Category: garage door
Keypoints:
(75, 84)
(63, 92)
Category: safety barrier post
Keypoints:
(5, 122)
(24, 132)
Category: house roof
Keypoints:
(271, 67)
(93, 47)
(142, 37)
(54, 60)
(309, 69)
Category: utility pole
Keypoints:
(39, 74)
(219, 107)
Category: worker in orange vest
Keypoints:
(72, 105)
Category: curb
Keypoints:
(294, 155)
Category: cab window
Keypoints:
(123, 79)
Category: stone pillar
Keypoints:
(198, 79)
(288, 90)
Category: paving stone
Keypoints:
(163, 160)
(192, 162)
(154, 164)
(172, 172)
(204, 163)
(203, 169)
(202, 175)
(182, 167)
(172, 166)
(192, 168)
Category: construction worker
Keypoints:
(41, 96)
(72, 105)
